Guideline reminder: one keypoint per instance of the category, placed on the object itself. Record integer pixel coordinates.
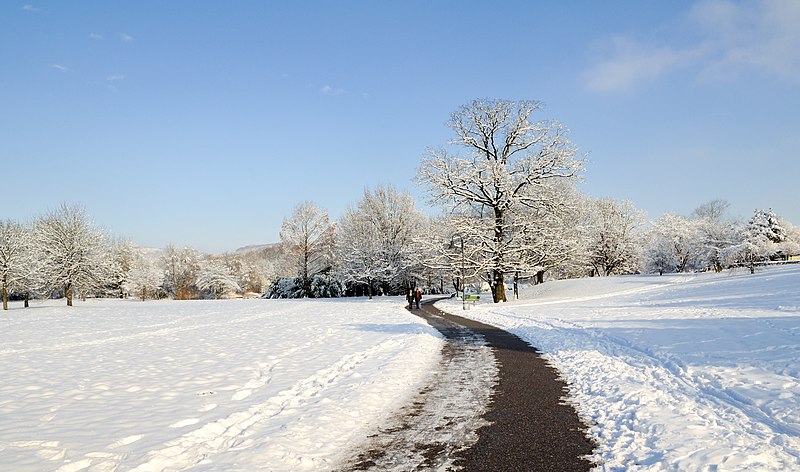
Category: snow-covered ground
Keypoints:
(679, 372)
(208, 385)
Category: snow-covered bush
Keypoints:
(284, 287)
(321, 286)
(325, 287)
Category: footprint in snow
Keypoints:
(186, 422)
(125, 441)
(75, 466)
(241, 395)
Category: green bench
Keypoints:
(470, 298)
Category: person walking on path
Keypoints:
(410, 300)
(417, 296)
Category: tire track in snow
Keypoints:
(704, 403)
(164, 329)
(698, 384)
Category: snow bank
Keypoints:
(208, 385)
(680, 372)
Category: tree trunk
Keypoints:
(5, 297)
(498, 287)
(27, 297)
(499, 292)
(540, 277)
(68, 293)
(369, 288)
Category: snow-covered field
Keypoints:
(679, 372)
(208, 385)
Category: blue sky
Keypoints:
(204, 124)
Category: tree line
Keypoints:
(510, 213)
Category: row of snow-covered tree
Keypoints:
(373, 248)
(510, 212)
(62, 253)
(711, 240)
(368, 251)
(385, 245)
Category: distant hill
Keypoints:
(258, 248)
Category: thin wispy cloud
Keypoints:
(630, 63)
(731, 39)
(762, 36)
(329, 90)
(61, 68)
(125, 38)
(112, 80)
(29, 7)
(95, 36)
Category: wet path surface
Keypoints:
(445, 415)
(495, 405)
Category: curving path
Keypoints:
(504, 410)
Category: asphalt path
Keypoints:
(525, 425)
(531, 426)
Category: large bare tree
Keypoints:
(509, 157)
